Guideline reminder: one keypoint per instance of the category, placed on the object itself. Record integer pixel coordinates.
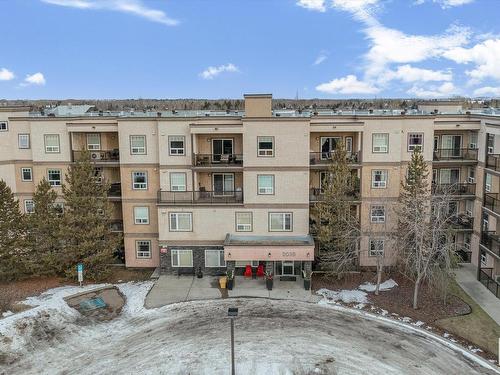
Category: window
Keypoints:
(328, 146)
(265, 184)
(487, 185)
(141, 215)
(469, 207)
(143, 249)
(181, 222)
(449, 176)
(23, 141)
(490, 142)
(377, 214)
(176, 145)
(54, 177)
(415, 140)
(434, 175)
(243, 221)
(265, 146)
(93, 141)
(483, 258)
(280, 221)
(348, 144)
(138, 144)
(4, 126)
(177, 181)
(98, 175)
(51, 143)
(436, 142)
(214, 258)
(380, 143)
(376, 247)
(379, 179)
(140, 180)
(26, 174)
(471, 175)
(182, 258)
(29, 206)
(473, 140)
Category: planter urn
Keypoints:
(230, 284)
(269, 284)
(307, 284)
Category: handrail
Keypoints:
(455, 154)
(326, 157)
(454, 189)
(99, 155)
(487, 280)
(200, 197)
(217, 160)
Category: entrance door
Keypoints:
(287, 268)
(221, 149)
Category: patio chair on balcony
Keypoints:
(260, 270)
(248, 271)
(224, 158)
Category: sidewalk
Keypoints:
(466, 278)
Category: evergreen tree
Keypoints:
(334, 219)
(13, 256)
(87, 227)
(44, 232)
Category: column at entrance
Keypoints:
(270, 267)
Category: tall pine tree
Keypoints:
(13, 255)
(87, 234)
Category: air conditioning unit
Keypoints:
(471, 180)
(95, 155)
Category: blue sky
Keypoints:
(224, 48)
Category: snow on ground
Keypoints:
(386, 285)
(346, 296)
(271, 336)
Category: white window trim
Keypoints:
(374, 218)
(241, 227)
(6, 123)
(26, 205)
(373, 253)
(487, 186)
(380, 149)
(92, 146)
(176, 151)
(51, 181)
(176, 251)
(170, 221)
(138, 150)
(264, 152)
(139, 220)
(137, 250)
(31, 173)
(19, 136)
(137, 185)
(380, 184)
(283, 214)
(265, 190)
(52, 149)
(178, 187)
(411, 147)
(219, 251)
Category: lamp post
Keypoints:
(232, 312)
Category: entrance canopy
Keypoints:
(271, 248)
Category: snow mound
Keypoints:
(386, 285)
(346, 296)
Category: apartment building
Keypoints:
(208, 190)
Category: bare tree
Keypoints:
(334, 217)
(424, 248)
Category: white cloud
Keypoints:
(408, 73)
(485, 56)
(323, 55)
(446, 90)
(134, 7)
(213, 71)
(34, 79)
(347, 85)
(452, 3)
(487, 91)
(318, 5)
(6, 75)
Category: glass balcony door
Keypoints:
(221, 149)
(223, 184)
(451, 145)
(329, 144)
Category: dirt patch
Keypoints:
(102, 304)
(123, 275)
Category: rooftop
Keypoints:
(237, 240)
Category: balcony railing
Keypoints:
(317, 194)
(445, 154)
(493, 162)
(464, 252)
(454, 189)
(116, 226)
(218, 160)
(318, 158)
(486, 278)
(491, 202)
(200, 197)
(491, 241)
(462, 222)
(99, 156)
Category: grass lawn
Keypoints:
(476, 327)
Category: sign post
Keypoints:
(79, 268)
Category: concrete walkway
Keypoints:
(170, 289)
(466, 278)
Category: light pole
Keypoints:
(232, 312)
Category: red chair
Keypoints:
(260, 270)
(248, 271)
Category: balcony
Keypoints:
(486, 278)
(462, 222)
(491, 242)
(493, 162)
(492, 203)
(116, 225)
(454, 189)
(325, 158)
(464, 252)
(317, 195)
(174, 198)
(218, 160)
(455, 154)
(109, 156)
